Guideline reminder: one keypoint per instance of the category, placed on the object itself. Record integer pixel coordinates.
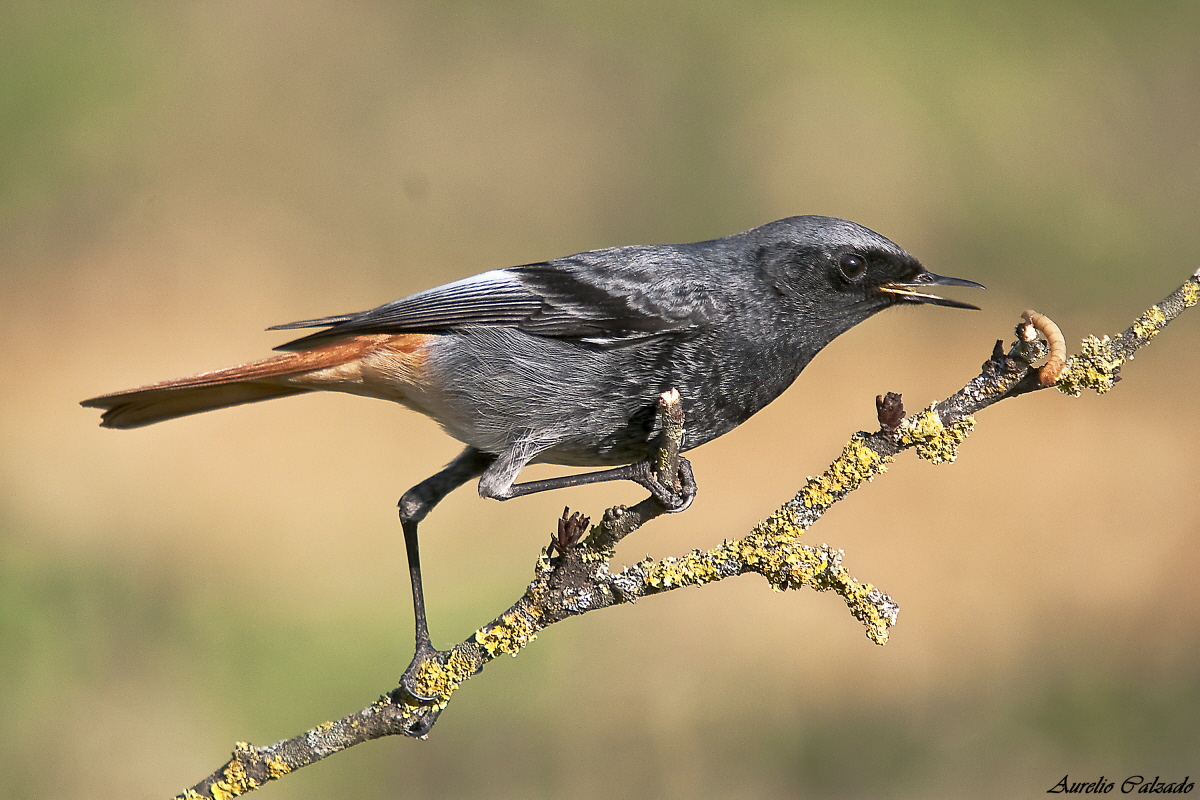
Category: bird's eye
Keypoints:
(852, 266)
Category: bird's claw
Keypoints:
(674, 498)
(410, 680)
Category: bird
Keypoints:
(563, 361)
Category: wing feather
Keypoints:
(604, 295)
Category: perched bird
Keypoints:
(563, 361)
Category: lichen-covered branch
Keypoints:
(579, 579)
(1099, 360)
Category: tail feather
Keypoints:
(147, 406)
(248, 383)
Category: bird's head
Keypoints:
(836, 273)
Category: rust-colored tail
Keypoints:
(150, 405)
(279, 376)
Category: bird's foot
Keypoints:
(676, 497)
(420, 678)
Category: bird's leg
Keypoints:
(675, 491)
(414, 505)
(642, 473)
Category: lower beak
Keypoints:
(912, 291)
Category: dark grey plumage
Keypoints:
(562, 361)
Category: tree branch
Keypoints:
(579, 580)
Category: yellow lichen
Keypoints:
(1191, 294)
(782, 522)
(791, 565)
(867, 612)
(750, 551)
(438, 680)
(920, 428)
(691, 570)
(1147, 324)
(512, 633)
(773, 551)
(1094, 368)
(933, 441)
(794, 566)
(277, 767)
(856, 464)
(234, 778)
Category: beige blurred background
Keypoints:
(176, 177)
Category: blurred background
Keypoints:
(176, 177)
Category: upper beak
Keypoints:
(911, 291)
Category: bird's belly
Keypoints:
(580, 405)
(572, 403)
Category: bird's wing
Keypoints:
(603, 296)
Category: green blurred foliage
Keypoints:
(68, 77)
(1037, 141)
(73, 627)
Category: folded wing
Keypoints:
(603, 296)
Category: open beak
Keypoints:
(913, 290)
